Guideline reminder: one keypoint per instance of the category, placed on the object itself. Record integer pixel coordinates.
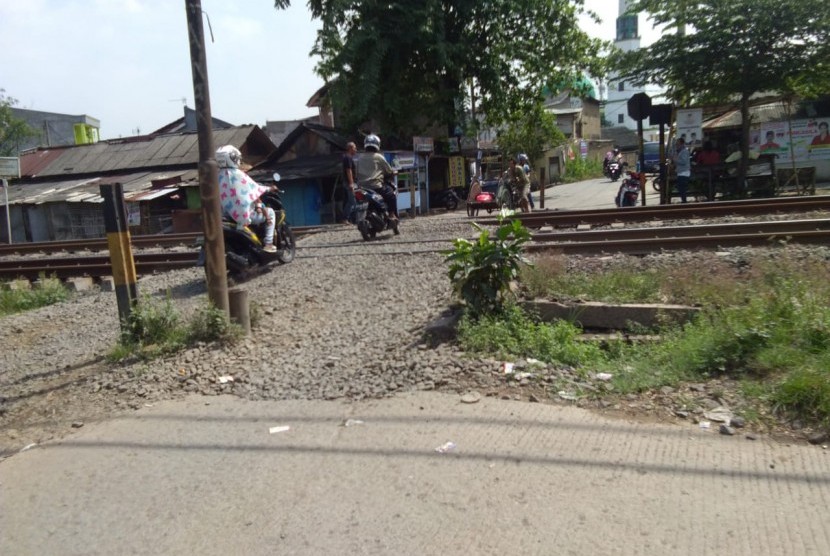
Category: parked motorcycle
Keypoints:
(447, 198)
(371, 215)
(244, 247)
(629, 191)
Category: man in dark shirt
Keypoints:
(349, 181)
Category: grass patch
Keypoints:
(47, 292)
(765, 323)
(580, 169)
(155, 328)
(515, 333)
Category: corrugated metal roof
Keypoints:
(770, 112)
(130, 154)
(137, 187)
(32, 163)
(303, 168)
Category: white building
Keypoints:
(619, 91)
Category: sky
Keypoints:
(127, 62)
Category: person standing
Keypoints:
(523, 160)
(349, 173)
(683, 168)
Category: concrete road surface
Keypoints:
(206, 476)
(589, 194)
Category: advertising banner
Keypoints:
(456, 177)
(809, 140)
(690, 126)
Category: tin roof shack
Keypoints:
(308, 161)
(57, 196)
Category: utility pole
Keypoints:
(215, 269)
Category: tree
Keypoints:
(408, 65)
(13, 131)
(530, 133)
(723, 50)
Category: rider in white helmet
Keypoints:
(372, 168)
(239, 195)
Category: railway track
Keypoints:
(633, 241)
(100, 244)
(752, 207)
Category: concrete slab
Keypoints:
(189, 478)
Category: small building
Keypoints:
(58, 194)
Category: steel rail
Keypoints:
(100, 244)
(555, 218)
(95, 266)
(645, 246)
(772, 227)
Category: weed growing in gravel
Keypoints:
(481, 271)
(48, 291)
(155, 328)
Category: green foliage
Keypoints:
(410, 65)
(766, 322)
(13, 131)
(155, 328)
(726, 50)
(47, 292)
(514, 333)
(580, 169)
(615, 285)
(481, 271)
(805, 393)
(790, 36)
(531, 132)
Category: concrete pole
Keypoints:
(240, 308)
(215, 269)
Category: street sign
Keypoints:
(639, 106)
(9, 166)
(660, 114)
(422, 144)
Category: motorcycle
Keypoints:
(507, 196)
(446, 198)
(371, 215)
(244, 247)
(613, 170)
(628, 192)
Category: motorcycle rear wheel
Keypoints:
(363, 226)
(287, 244)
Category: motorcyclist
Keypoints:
(372, 168)
(239, 195)
(610, 156)
(519, 182)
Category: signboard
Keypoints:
(456, 171)
(583, 149)
(690, 126)
(133, 214)
(9, 166)
(422, 144)
(810, 140)
(401, 160)
(639, 106)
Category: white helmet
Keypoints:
(228, 157)
(522, 158)
(372, 143)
